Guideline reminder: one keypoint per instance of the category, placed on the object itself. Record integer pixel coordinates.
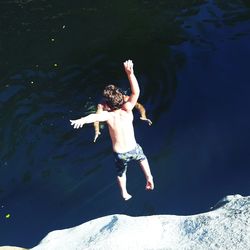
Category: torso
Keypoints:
(121, 130)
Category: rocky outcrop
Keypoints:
(226, 226)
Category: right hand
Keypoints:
(77, 123)
(128, 66)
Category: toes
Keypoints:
(127, 197)
(149, 185)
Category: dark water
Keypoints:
(192, 61)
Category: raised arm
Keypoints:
(141, 110)
(135, 90)
(102, 117)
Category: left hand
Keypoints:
(77, 123)
(128, 67)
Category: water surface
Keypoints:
(191, 60)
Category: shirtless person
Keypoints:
(119, 117)
(138, 106)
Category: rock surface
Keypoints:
(226, 226)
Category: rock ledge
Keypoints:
(226, 226)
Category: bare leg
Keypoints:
(122, 183)
(146, 169)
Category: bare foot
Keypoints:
(126, 196)
(150, 183)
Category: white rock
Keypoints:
(227, 226)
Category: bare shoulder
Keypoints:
(104, 116)
(127, 106)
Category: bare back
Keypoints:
(121, 130)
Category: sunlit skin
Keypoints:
(138, 106)
(121, 130)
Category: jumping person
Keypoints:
(117, 113)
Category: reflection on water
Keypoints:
(55, 59)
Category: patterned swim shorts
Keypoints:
(122, 159)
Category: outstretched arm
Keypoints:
(102, 117)
(135, 90)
